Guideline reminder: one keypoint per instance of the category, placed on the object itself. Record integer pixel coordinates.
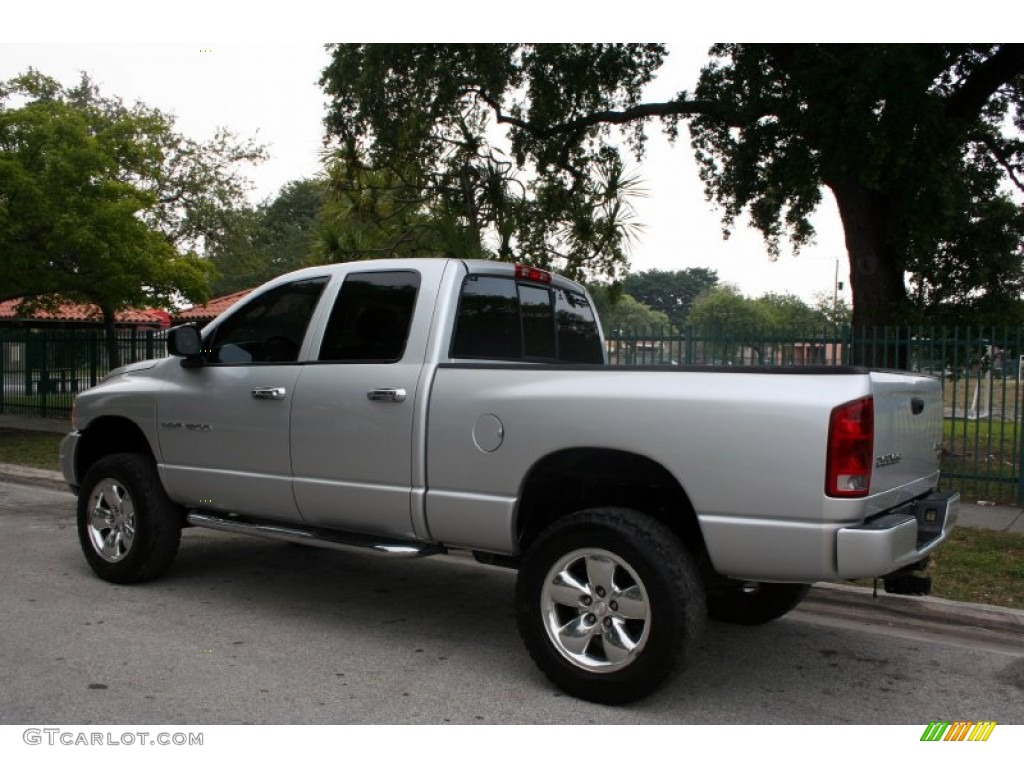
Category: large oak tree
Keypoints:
(919, 145)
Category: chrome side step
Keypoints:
(315, 537)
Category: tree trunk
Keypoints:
(876, 277)
(110, 330)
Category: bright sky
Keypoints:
(268, 91)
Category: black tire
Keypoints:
(646, 602)
(128, 529)
(752, 602)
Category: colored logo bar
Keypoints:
(958, 730)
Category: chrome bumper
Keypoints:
(897, 539)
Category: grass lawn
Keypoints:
(31, 449)
(980, 566)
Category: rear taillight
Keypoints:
(851, 437)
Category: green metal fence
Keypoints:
(41, 371)
(980, 370)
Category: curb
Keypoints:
(929, 610)
(46, 478)
(31, 473)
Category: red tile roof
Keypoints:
(83, 313)
(212, 308)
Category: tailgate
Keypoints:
(908, 429)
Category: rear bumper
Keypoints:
(896, 539)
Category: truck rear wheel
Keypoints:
(128, 529)
(609, 604)
(754, 602)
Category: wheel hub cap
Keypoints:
(111, 520)
(595, 610)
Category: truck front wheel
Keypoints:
(609, 604)
(128, 529)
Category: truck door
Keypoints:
(223, 426)
(353, 414)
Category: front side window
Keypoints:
(371, 318)
(269, 328)
(501, 319)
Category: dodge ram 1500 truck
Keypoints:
(410, 407)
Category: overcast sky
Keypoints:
(268, 90)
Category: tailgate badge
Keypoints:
(888, 460)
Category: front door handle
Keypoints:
(269, 393)
(386, 395)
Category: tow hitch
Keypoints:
(908, 580)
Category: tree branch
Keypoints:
(1012, 171)
(967, 101)
(677, 108)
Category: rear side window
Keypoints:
(500, 319)
(371, 318)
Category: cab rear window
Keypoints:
(502, 319)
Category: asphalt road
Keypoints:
(248, 631)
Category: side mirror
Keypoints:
(184, 341)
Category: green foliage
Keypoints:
(723, 309)
(257, 244)
(70, 222)
(620, 310)
(784, 310)
(672, 293)
(103, 203)
(917, 143)
(833, 309)
(914, 141)
(370, 213)
(422, 116)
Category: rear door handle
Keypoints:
(386, 395)
(269, 393)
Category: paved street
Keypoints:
(248, 631)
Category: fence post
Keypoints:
(44, 377)
(93, 351)
(1018, 422)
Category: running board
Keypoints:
(316, 537)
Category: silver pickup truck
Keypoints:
(411, 407)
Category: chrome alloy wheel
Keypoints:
(111, 520)
(595, 610)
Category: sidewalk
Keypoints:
(995, 518)
(62, 426)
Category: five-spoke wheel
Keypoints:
(609, 603)
(595, 610)
(128, 528)
(111, 520)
